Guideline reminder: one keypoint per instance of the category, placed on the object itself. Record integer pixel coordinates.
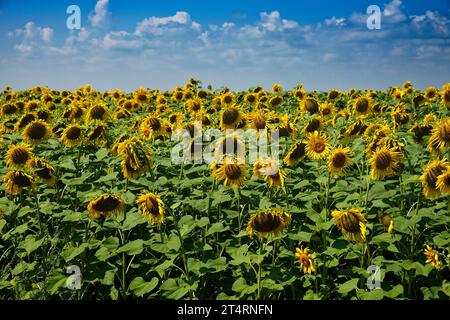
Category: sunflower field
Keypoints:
(354, 205)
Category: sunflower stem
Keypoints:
(260, 259)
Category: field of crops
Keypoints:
(309, 195)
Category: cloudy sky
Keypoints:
(237, 43)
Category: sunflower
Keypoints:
(386, 221)
(443, 181)
(299, 94)
(269, 170)
(440, 135)
(229, 144)
(36, 131)
(96, 132)
(295, 154)
(317, 146)
(193, 105)
(432, 257)
(307, 260)
(431, 93)
(271, 223)
(430, 175)
(43, 170)
(151, 207)
(18, 154)
(232, 171)
(351, 222)
(310, 105)
(117, 143)
(333, 94)
(137, 158)
(227, 99)
(384, 162)
(72, 136)
(446, 97)
(257, 120)
(16, 180)
(97, 112)
(105, 205)
(339, 160)
(275, 101)
(8, 109)
(152, 126)
(250, 98)
(230, 118)
(326, 109)
(362, 105)
(141, 95)
(314, 124)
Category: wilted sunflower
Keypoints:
(307, 260)
(229, 144)
(432, 257)
(43, 170)
(314, 124)
(232, 171)
(386, 221)
(36, 131)
(326, 109)
(136, 158)
(443, 181)
(430, 176)
(339, 160)
(295, 154)
(18, 154)
(151, 207)
(362, 105)
(351, 222)
(72, 136)
(230, 118)
(269, 170)
(141, 95)
(446, 97)
(105, 205)
(257, 120)
(384, 162)
(440, 135)
(16, 180)
(271, 223)
(152, 127)
(317, 146)
(96, 132)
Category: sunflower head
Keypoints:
(317, 146)
(386, 221)
(269, 170)
(443, 181)
(339, 161)
(229, 144)
(16, 180)
(314, 124)
(431, 93)
(72, 136)
(36, 131)
(151, 207)
(105, 205)
(430, 175)
(440, 136)
(295, 154)
(351, 223)
(230, 118)
(385, 162)
(362, 105)
(310, 105)
(232, 171)
(268, 223)
(306, 259)
(18, 154)
(432, 257)
(227, 99)
(136, 158)
(43, 170)
(97, 112)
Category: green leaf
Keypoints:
(132, 248)
(30, 244)
(140, 287)
(348, 286)
(70, 251)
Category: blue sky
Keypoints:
(129, 44)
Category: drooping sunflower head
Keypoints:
(386, 221)
(314, 124)
(440, 136)
(307, 260)
(268, 223)
(151, 127)
(351, 223)
(430, 175)
(310, 105)
(432, 257)
(141, 95)
(250, 98)
(443, 181)
(275, 101)
(43, 170)
(72, 136)
(193, 105)
(97, 112)
(317, 146)
(105, 205)
(151, 207)
(96, 132)
(232, 171)
(36, 131)
(362, 105)
(230, 118)
(269, 170)
(339, 160)
(295, 154)
(385, 162)
(229, 144)
(18, 154)
(257, 120)
(333, 94)
(16, 180)
(327, 109)
(136, 158)
(446, 97)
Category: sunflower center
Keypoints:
(313, 125)
(97, 112)
(43, 173)
(232, 171)
(20, 156)
(362, 105)
(73, 133)
(339, 160)
(298, 152)
(333, 94)
(445, 132)
(152, 206)
(383, 161)
(311, 105)
(36, 131)
(227, 99)
(154, 124)
(230, 116)
(106, 204)
(142, 97)
(447, 96)
(266, 223)
(319, 146)
(259, 122)
(26, 120)
(350, 223)
(230, 145)
(21, 180)
(96, 133)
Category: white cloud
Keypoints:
(24, 48)
(329, 57)
(99, 17)
(394, 12)
(158, 25)
(31, 36)
(438, 24)
(273, 22)
(335, 21)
